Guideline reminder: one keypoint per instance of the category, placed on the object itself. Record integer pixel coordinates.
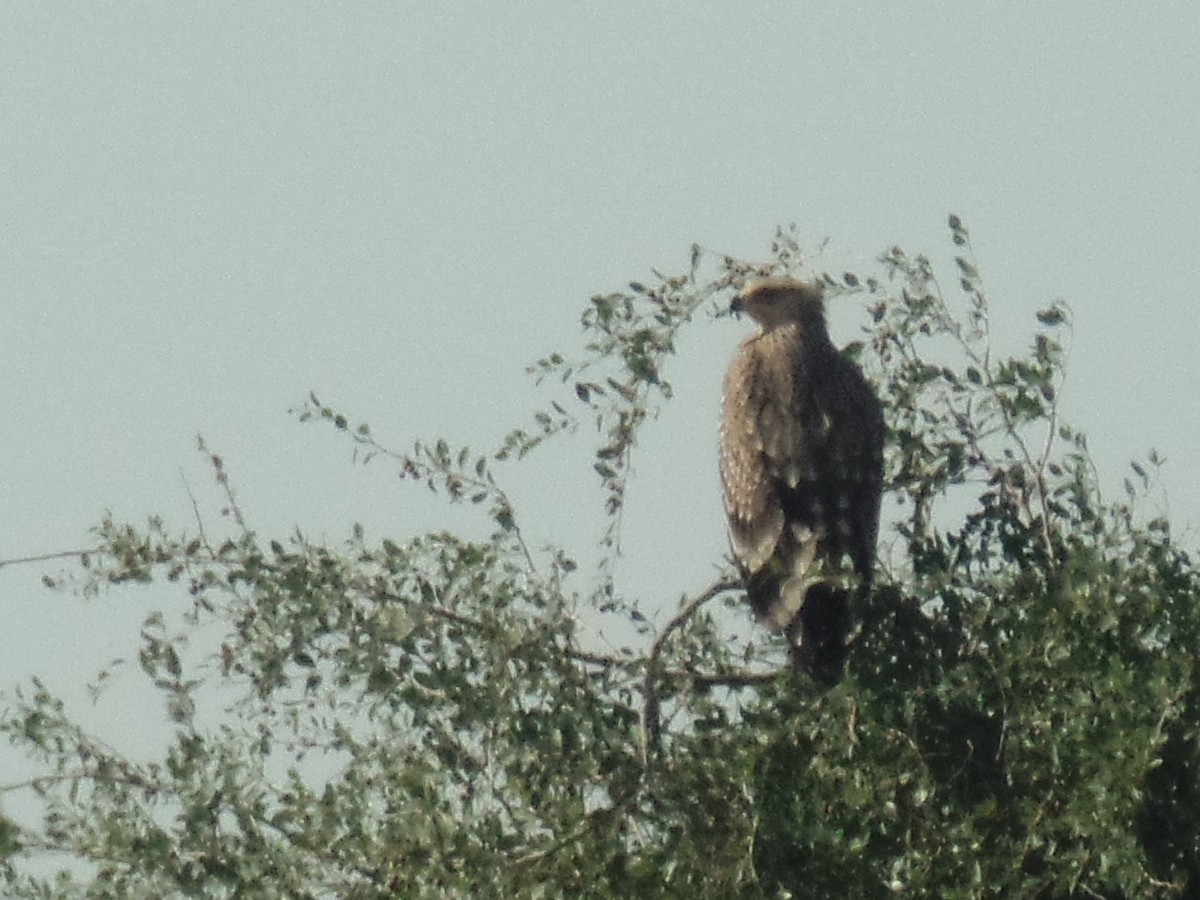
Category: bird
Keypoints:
(801, 464)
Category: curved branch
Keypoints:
(650, 719)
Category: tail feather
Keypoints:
(817, 634)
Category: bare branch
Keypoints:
(45, 557)
(603, 659)
(195, 511)
(723, 679)
(650, 724)
(109, 777)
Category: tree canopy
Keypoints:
(427, 718)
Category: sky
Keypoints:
(208, 210)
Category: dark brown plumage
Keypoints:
(801, 466)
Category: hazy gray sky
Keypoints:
(210, 209)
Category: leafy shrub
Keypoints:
(1018, 716)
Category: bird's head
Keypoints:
(776, 301)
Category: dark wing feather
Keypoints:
(849, 450)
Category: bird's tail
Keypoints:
(817, 633)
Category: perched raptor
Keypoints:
(801, 466)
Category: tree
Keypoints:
(1018, 715)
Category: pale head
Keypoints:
(777, 301)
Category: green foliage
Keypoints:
(428, 718)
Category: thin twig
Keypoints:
(722, 679)
(602, 659)
(40, 781)
(44, 557)
(195, 510)
(601, 815)
(571, 837)
(701, 680)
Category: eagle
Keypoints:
(801, 458)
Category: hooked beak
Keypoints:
(737, 304)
